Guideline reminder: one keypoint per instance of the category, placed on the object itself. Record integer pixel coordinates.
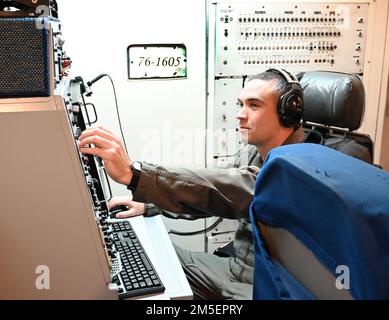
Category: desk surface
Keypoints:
(158, 246)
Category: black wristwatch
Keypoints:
(136, 168)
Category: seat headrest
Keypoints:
(333, 99)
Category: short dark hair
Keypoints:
(282, 87)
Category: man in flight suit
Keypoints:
(270, 116)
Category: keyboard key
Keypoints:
(146, 263)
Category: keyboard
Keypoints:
(137, 276)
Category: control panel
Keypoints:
(132, 273)
(91, 166)
(295, 36)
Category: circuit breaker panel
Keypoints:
(297, 37)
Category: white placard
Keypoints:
(157, 61)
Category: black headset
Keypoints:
(291, 104)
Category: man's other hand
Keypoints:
(135, 208)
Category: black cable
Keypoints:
(94, 111)
(195, 233)
(90, 83)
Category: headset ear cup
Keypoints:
(291, 109)
(291, 104)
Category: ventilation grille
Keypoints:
(24, 58)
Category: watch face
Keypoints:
(137, 165)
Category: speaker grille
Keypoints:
(24, 58)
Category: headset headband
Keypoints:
(291, 78)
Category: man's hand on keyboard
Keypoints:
(135, 208)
